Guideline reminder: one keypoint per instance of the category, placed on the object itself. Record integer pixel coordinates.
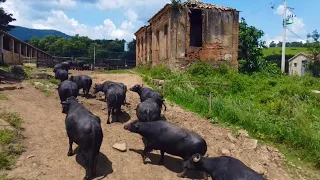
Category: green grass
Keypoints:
(12, 118)
(289, 51)
(3, 97)
(278, 109)
(45, 82)
(116, 72)
(10, 141)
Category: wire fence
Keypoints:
(111, 61)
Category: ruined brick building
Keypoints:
(176, 37)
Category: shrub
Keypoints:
(201, 69)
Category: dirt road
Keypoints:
(47, 144)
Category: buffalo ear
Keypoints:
(64, 102)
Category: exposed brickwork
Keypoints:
(171, 47)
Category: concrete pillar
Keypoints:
(11, 45)
(26, 50)
(19, 52)
(19, 49)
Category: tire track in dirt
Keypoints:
(46, 139)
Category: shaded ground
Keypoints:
(47, 140)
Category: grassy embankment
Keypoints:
(277, 109)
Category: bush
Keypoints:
(201, 69)
(158, 72)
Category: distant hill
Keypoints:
(27, 34)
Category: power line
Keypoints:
(296, 34)
(262, 7)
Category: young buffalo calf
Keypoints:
(169, 138)
(83, 128)
(224, 167)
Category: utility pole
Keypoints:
(283, 59)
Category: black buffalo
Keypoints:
(168, 138)
(56, 67)
(115, 97)
(146, 93)
(79, 65)
(83, 128)
(84, 82)
(223, 167)
(65, 65)
(148, 110)
(61, 74)
(86, 66)
(105, 86)
(67, 89)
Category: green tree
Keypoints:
(272, 44)
(314, 45)
(279, 44)
(250, 47)
(132, 46)
(35, 41)
(5, 19)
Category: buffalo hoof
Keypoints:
(70, 153)
(180, 175)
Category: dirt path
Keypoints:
(46, 140)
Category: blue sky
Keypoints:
(109, 19)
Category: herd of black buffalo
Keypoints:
(84, 128)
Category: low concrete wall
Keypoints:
(12, 58)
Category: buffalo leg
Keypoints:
(161, 158)
(91, 160)
(183, 173)
(86, 164)
(109, 111)
(70, 152)
(144, 153)
(205, 176)
(94, 169)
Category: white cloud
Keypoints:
(58, 20)
(19, 12)
(62, 4)
(110, 4)
(298, 27)
(131, 15)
